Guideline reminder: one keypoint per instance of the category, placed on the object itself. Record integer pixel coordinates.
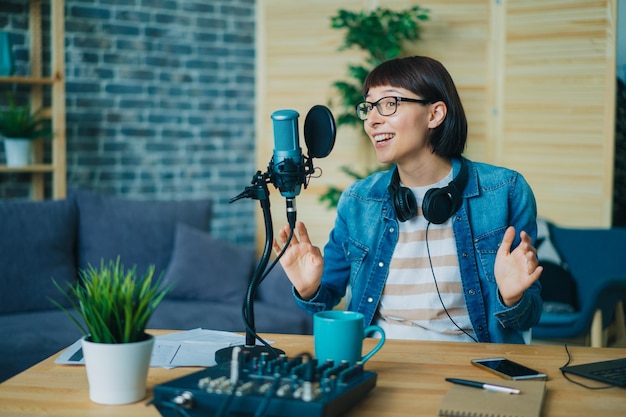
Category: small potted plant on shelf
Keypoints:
(115, 305)
(19, 126)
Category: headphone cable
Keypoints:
(432, 270)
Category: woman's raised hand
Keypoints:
(516, 269)
(303, 263)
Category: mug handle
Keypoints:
(369, 330)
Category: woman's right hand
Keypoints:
(303, 263)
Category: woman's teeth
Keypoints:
(383, 137)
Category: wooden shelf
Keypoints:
(27, 80)
(54, 83)
(35, 168)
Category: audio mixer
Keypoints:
(262, 385)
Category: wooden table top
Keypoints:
(410, 380)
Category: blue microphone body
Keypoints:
(287, 166)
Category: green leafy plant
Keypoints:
(115, 304)
(19, 122)
(382, 35)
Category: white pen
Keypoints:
(488, 387)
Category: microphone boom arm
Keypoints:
(257, 191)
(288, 171)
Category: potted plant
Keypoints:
(115, 305)
(19, 126)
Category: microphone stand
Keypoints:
(258, 191)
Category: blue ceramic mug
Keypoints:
(338, 335)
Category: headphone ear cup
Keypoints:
(440, 204)
(404, 204)
(437, 205)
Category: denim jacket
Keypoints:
(362, 242)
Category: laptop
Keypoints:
(611, 372)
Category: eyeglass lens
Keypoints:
(386, 106)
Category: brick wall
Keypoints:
(160, 101)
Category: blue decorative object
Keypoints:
(6, 55)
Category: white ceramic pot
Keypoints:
(117, 373)
(19, 152)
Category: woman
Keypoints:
(429, 249)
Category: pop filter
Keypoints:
(319, 131)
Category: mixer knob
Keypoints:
(283, 390)
(184, 400)
(310, 391)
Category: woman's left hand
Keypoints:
(516, 270)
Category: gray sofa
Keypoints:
(55, 239)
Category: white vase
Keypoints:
(117, 373)
(19, 152)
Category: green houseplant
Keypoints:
(115, 305)
(382, 34)
(19, 126)
(20, 122)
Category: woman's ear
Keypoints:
(438, 112)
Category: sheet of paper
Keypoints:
(195, 347)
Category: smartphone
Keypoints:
(508, 369)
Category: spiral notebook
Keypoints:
(463, 401)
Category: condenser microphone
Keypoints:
(287, 168)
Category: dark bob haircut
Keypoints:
(429, 79)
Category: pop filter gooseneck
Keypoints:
(286, 164)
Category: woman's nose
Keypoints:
(374, 118)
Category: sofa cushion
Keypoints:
(38, 244)
(188, 314)
(139, 232)
(205, 268)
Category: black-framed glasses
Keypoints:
(386, 106)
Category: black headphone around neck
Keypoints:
(439, 203)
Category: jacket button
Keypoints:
(381, 264)
(465, 255)
(472, 292)
(370, 299)
(391, 230)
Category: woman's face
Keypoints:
(403, 136)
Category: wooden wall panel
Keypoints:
(298, 61)
(536, 79)
(558, 105)
(458, 35)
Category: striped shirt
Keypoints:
(424, 265)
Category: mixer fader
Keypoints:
(266, 386)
